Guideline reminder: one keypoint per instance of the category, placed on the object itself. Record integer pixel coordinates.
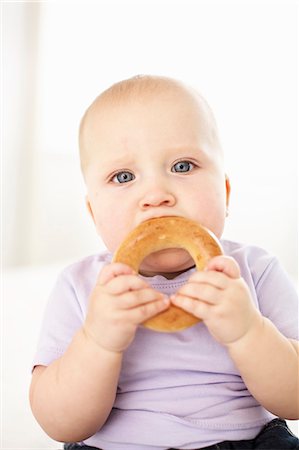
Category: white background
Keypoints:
(57, 57)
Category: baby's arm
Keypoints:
(269, 365)
(267, 360)
(73, 396)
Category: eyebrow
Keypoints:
(183, 148)
(186, 150)
(128, 160)
(118, 162)
(200, 150)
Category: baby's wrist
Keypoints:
(94, 344)
(250, 338)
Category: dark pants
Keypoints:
(274, 436)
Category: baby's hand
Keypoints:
(120, 301)
(221, 298)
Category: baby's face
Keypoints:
(150, 158)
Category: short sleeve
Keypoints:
(272, 289)
(66, 307)
(63, 316)
(278, 299)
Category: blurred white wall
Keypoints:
(57, 56)
(20, 34)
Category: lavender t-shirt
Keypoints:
(177, 389)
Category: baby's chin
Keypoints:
(168, 262)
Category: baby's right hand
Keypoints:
(120, 301)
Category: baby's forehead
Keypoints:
(138, 91)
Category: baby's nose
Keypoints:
(157, 197)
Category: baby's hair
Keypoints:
(137, 88)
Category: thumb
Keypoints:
(113, 270)
(224, 264)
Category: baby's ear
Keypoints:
(228, 189)
(89, 208)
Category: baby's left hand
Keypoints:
(221, 298)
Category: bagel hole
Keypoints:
(168, 262)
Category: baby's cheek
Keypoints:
(112, 231)
(215, 216)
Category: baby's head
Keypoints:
(149, 147)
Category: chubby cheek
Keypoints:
(210, 210)
(217, 216)
(217, 223)
(110, 218)
(112, 228)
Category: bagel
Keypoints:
(169, 232)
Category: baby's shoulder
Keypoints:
(251, 258)
(86, 267)
(246, 251)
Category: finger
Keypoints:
(201, 291)
(125, 283)
(144, 312)
(134, 299)
(224, 264)
(195, 307)
(217, 279)
(113, 270)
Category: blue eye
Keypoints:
(123, 177)
(182, 166)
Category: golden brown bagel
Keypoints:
(169, 232)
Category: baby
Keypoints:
(149, 148)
